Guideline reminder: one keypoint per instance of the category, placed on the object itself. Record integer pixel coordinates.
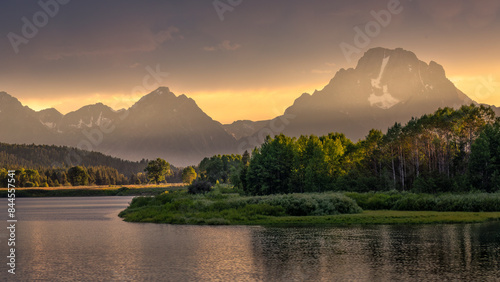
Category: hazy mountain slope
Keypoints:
(496, 109)
(49, 117)
(87, 117)
(244, 128)
(19, 124)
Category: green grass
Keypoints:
(241, 217)
(393, 200)
(217, 207)
(383, 217)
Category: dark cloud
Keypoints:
(104, 47)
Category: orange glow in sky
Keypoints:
(250, 64)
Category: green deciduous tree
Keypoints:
(157, 170)
(188, 175)
(78, 176)
(484, 164)
(272, 166)
(219, 168)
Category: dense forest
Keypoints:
(33, 156)
(53, 166)
(448, 151)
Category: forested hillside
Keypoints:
(45, 156)
(53, 166)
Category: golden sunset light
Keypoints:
(250, 140)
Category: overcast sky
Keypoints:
(249, 61)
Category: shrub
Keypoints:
(311, 204)
(122, 191)
(140, 202)
(375, 200)
(475, 202)
(199, 187)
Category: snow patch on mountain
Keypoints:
(386, 100)
(50, 125)
(99, 120)
(81, 123)
(376, 81)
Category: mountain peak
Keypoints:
(375, 56)
(4, 96)
(50, 111)
(158, 96)
(9, 102)
(387, 85)
(95, 107)
(162, 91)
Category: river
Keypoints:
(82, 239)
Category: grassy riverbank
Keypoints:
(223, 207)
(382, 217)
(85, 191)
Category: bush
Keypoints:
(217, 208)
(474, 202)
(140, 202)
(376, 200)
(199, 187)
(311, 204)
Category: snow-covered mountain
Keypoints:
(386, 86)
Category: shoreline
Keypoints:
(82, 191)
(219, 207)
(368, 217)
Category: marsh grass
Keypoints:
(383, 217)
(222, 206)
(404, 201)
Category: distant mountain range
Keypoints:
(386, 86)
(158, 125)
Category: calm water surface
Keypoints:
(82, 239)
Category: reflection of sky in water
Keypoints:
(88, 242)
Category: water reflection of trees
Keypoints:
(464, 252)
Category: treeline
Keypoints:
(220, 168)
(74, 176)
(448, 151)
(14, 156)
(51, 166)
(78, 176)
